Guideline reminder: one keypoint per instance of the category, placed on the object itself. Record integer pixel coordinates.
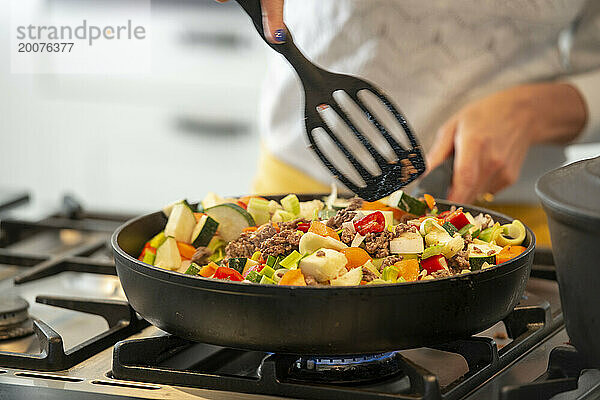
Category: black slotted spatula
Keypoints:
(397, 168)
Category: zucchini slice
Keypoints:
(193, 269)
(167, 255)
(482, 252)
(237, 263)
(181, 223)
(232, 220)
(204, 231)
(476, 263)
(451, 229)
(407, 203)
(169, 208)
(259, 210)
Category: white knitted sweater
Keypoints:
(432, 57)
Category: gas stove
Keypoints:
(67, 331)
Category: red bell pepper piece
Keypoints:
(229, 274)
(458, 219)
(374, 222)
(434, 263)
(304, 227)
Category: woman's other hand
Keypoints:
(272, 20)
(490, 137)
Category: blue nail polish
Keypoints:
(279, 35)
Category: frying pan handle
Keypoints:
(305, 69)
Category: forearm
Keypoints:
(558, 111)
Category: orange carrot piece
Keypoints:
(356, 257)
(250, 229)
(381, 206)
(509, 252)
(321, 229)
(208, 270)
(186, 251)
(429, 200)
(409, 269)
(293, 277)
(374, 205)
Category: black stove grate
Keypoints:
(78, 259)
(121, 318)
(160, 360)
(565, 365)
(122, 323)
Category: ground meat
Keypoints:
(244, 246)
(320, 253)
(265, 232)
(408, 169)
(310, 280)
(391, 260)
(355, 204)
(293, 224)
(442, 273)
(347, 236)
(338, 219)
(201, 255)
(249, 242)
(459, 262)
(468, 239)
(402, 227)
(368, 275)
(378, 244)
(280, 244)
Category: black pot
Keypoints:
(571, 198)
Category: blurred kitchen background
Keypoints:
(135, 142)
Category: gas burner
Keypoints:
(346, 369)
(14, 318)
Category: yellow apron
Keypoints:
(276, 177)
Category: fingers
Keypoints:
(274, 27)
(509, 171)
(467, 176)
(443, 145)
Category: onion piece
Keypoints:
(358, 239)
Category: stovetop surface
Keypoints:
(94, 374)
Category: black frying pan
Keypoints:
(316, 320)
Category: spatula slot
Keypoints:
(362, 119)
(343, 132)
(384, 116)
(342, 166)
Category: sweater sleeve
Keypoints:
(588, 85)
(584, 64)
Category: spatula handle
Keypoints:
(306, 70)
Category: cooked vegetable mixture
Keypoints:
(335, 242)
